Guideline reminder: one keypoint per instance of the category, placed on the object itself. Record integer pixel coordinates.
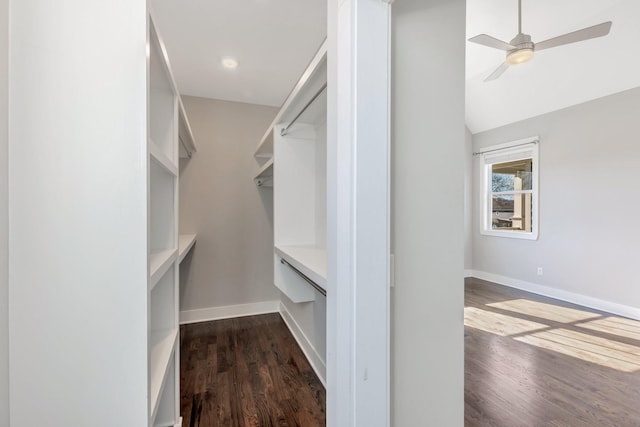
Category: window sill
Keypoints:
(511, 234)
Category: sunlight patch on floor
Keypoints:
(615, 326)
(499, 324)
(544, 311)
(604, 352)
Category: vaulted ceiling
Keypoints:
(555, 78)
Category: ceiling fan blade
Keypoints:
(498, 72)
(489, 41)
(576, 36)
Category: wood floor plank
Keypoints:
(247, 372)
(564, 374)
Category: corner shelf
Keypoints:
(264, 178)
(185, 243)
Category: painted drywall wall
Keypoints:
(78, 213)
(589, 168)
(4, 219)
(428, 138)
(232, 262)
(468, 200)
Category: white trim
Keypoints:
(530, 140)
(228, 311)
(358, 315)
(514, 147)
(315, 360)
(571, 297)
(467, 273)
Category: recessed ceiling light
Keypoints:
(229, 63)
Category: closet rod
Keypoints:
(301, 274)
(283, 132)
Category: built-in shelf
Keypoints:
(185, 243)
(169, 131)
(163, 344)
(161, 159)
(264, 178)
(185, 135)
(310, 261)
(265, 147)
(159, 263)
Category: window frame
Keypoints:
(527, 148)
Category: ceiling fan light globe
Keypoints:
(519, 56)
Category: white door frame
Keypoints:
(358, 213)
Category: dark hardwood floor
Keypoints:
(246, 372)
(532, 361)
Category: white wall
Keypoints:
(232, 262)
(468, 200)
(77, 203)
(4, 220)
(589, 169)
(428, 137)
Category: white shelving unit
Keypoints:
(170, 137)
(293, 152)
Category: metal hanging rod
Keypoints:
(301, 274)
(283, 132)
(535, 141)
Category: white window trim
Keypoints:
(529, 148)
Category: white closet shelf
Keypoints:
(265, 147)
(185, 134)
(163, 345)
(264, 178)
(185, 243)
(309, 260)
(162, 159)
(159, 263)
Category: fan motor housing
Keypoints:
(522, 41)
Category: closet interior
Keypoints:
(291, 174)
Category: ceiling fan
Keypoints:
(520, 49)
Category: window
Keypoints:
(510, 189)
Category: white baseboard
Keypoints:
(572, 297)
(228, 311)
(316, 362)
(467, 273)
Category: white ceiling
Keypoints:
(272, 40)
(555, 78)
